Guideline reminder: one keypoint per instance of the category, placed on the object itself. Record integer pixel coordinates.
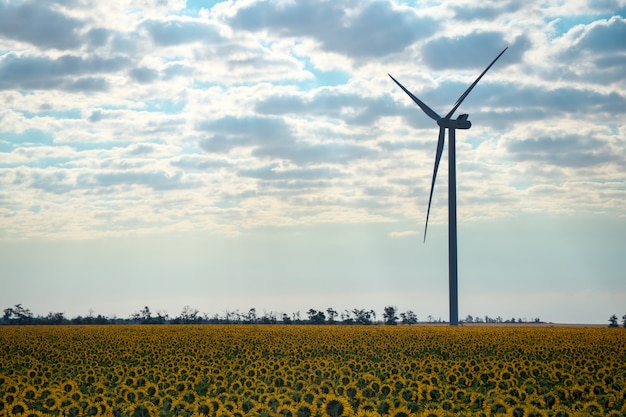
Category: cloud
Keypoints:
(156, 180)
(67, 72)
(604, 36)
(350, 108)
(485, 11)
(273, 138)
(303, 153)
(144, 75)
(571, 150)
(231, 132)
(178, 31)
(200, 163)
(39, 24)
(474, 50)
(56, 182)
(355, 29)
(594, 53)
(270, 172)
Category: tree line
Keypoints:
(613, 321)
(189, 315)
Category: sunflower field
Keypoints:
(308, 371)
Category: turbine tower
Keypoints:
(444, 123)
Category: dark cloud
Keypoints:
(269, 172)
(157, 180)
(39, 24)
(199, 163)
(65, 72)
(253, 126)
(303, 153)
(563, 101)
(144, 75)
(486, 11)
(53, 182)
(176, 32)
(96, 116)
(566, 151)
(297, 185)
(230, 132)
(86, 84)
(373, 29)
(331, 103)
(272, 138)
(475, 50)
(378, 191)
(140, 149)
(177, 70)
(98, 37)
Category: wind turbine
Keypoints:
(444, 123)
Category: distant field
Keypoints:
(304, 371)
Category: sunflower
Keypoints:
(17, 408)
(9, 398)
(304, 410)
(385, 389)
(334, 406)
(400, 412)
(367, 413)
(286, 410)
(262, 410)
(433, 413)
(72, 410)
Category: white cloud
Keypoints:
(253, 114)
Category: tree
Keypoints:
(624, 321)
(296, 317)
(389, 315)
(268, 317)
(146, 315)
(251, 316)
(613, 321)
(162, 317)
(345, 317)
(8, 313)
(18, 314)
(55, 318)
(188, 315)
(331, 315)
(409, 317)
(469, 319)
(316, 317)
(363, 316)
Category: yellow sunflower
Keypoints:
(333, 406)
(17, 408)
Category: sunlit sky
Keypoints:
(238, 154)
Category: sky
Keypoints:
(246, 153)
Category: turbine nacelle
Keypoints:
(460, 122)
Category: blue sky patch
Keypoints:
(31, 137)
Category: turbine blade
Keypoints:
(430, 112)
(460, 100)
(442, 135)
